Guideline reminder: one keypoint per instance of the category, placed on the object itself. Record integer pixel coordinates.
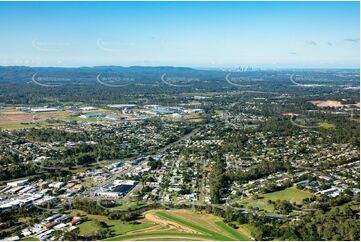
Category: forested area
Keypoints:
(18, 87)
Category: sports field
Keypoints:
(291, 194)
(183, 225)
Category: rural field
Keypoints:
(10, 118)
(14, 119)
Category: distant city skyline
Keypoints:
(194, 34)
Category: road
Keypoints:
(185, 137)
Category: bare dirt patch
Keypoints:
(290, 114)
(155, 228)
(150, 216)
(201, 219)
(15, 117)
(328, 103)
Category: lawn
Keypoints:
(120, 227)
(291, 194)
(129, 206)
(88, 228)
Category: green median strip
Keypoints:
(29, 239)
(232, 231)
(216, 236)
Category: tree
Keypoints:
(218, 181)
(84, 159)
(72, 235)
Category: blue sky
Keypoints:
(196, 34)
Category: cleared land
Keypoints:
(328, 103)
(15, 119)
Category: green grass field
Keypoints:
(291, 194)
(129, 206)
(231, 231)
(118, 227)
(88, 228)
(327, 125)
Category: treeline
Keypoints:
(218, 181)
(92, 206)
(12, 221)
(53, 135)
(257, 171)
(337, 224)
(333, 224)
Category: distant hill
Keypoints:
(24, 73)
